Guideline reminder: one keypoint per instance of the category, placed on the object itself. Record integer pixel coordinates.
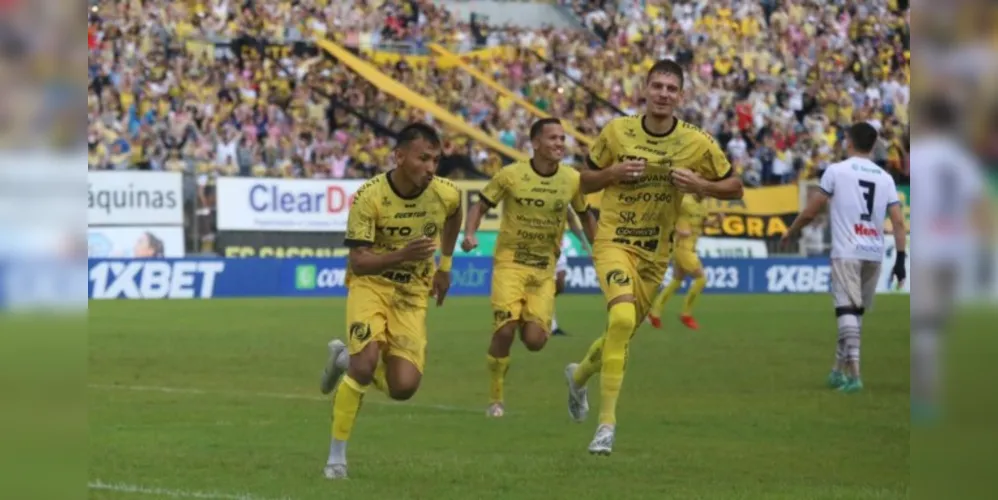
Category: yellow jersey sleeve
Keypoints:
(715, 165)
(601, 153)
(451, 197)
(579, 202)
(362, 219)
(494, 192)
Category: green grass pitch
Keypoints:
(220, 399)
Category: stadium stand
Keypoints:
(223, 87)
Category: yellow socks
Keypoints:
(693, 294)
(590, 364)
(497, 370)
(618, 335)
(346, 404)
(664, 295)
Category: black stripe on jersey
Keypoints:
(731, 172)
(591, 164)
(823, 191)
(484, 199)
(357, 243)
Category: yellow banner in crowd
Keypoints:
(385, 57)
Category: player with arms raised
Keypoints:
(395, 225)
(643, 164)
(535, 197)
(693, 217)
(862, 195)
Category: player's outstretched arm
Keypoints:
(363, 260)
(814, 206)
(441, 279)
(471, 225)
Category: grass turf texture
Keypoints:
(221, 396)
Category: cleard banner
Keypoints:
(284, 205)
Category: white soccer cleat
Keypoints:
(335, 471)
(578, 397)
(495, 410)
(602, 443)
(336, 366)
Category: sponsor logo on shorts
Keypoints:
(618, 277)
(360, 331)
(502, 316)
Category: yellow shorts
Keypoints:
(622, 272)
(373, 316)
(520, 293)
(685, 255)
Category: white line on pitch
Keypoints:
(166, 492)
(269, 395)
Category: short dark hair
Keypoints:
(155, 244)
(667, 67)
(940, 112)
(418, 130)
(863, 137)
(538, 126)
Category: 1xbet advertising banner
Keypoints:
(135, 198)
(250, 277)
(284, 205)
(471, 276)
(290, 245)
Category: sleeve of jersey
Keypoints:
(717, 162)
(455, 202)
(892, 194)
(579, 202)
(601, 152)
(494, 191)
(361, 222)
(827, 182)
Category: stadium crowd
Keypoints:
(776, 81)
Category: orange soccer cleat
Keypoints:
(690, 323)
(655, 321)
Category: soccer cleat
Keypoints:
(335, 471)
(558, 332)
(690, 323)
(851, 385)
(495, 410)
(655, 321)
(602, 443)
(836, 379)
(336, 366)
(578, 397)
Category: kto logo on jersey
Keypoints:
(798, 279)
(154, 279)
(864, 230)
(310, 277)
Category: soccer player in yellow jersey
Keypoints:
(644, 164)
(693, 217)
(397, 221)
(536, 196)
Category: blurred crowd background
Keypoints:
(238, 88)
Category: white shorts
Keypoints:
(562, 265)
(854, 282)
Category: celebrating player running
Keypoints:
(643, 164)
(535, 197)
(395, 224)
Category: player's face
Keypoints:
(663, 92)
(550, 144)
(418, 161)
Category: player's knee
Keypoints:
(533, 336)
(403, 393)
(622, 318)
(696, 273)
(506, 332)
(363, 364)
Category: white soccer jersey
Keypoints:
(860, 194)
(947, 183)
